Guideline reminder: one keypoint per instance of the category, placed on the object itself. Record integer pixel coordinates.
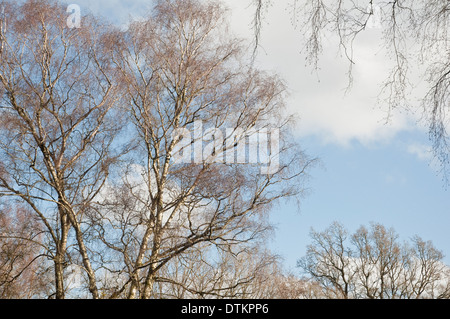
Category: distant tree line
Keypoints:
(373, 264)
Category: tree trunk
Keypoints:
(59, 259)
(135, 274)
(86, 263)
(149, 281)
(82, 247)
(59, 275)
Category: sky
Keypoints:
(371, 170)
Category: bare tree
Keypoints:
(21, 259)
(381, 261)
(274, 282)
(416, 38)
(211, 152)
(373, 264)
(56, 112)
(209, 273)
(329, 261)
(427, 276)
(182, 72)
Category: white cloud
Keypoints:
(421, 151)
(425, 153)
(322, 107)
(319, 99)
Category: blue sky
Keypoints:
(370, 170)
(357, 185)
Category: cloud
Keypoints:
(425, 153)
(319, 99)
(421, 151)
